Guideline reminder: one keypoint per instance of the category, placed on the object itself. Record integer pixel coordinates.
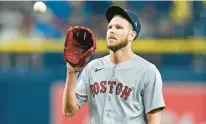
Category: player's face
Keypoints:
(117, 33)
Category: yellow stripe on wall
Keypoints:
(139, 46)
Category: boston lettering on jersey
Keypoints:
(123, 91)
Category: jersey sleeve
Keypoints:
(81, 90)
(152, 92)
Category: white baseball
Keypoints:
(39, 7)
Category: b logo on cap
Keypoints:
(136, 23)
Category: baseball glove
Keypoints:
(79, 46)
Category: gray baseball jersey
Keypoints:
(122, 93)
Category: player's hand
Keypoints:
(72, 69)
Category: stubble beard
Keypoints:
(116, 47)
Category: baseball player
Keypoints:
(120, 88)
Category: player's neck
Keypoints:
(121, 55)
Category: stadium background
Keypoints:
(32, 70)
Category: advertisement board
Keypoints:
(185, 104)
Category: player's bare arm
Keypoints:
(69, 101)
(154, 117)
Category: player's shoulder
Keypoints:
(144, 64)
(149, 69)
(97, 62)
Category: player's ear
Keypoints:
(132, 35)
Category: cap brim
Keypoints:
(115, 10)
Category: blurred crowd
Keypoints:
(163, 19)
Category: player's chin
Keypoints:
(111, 42)
(110, 45)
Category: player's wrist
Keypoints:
(72, 72)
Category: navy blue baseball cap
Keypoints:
(127, 14)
